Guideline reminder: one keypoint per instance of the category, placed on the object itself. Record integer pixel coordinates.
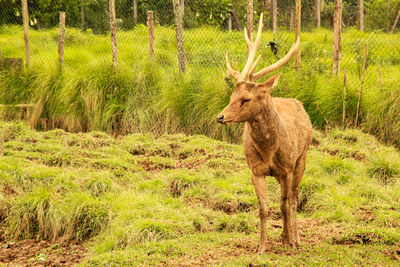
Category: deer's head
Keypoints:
(250, 97)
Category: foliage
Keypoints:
(381, 13)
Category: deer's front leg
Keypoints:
(260, 185)
(287, 216)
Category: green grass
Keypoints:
(189, 200)
(155, 98)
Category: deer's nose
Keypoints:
(220, 118)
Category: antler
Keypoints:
(279, 63)
(252, 49)
(250, 66)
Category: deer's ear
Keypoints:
(270, 84)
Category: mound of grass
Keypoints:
(138, 199)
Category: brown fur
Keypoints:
(276, 137)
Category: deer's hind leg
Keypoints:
(297, 176)
(285, 181)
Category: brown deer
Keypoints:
(277, 133)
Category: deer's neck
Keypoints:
(266, 128)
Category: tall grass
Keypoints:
(145, 96)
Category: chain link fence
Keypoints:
(205, 23)
(210, 28)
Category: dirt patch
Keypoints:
(40, 253)
(223, 254)
(316, 230)
(358, 238)
(331, 152)
(367, 215)
(315, 142)
(357, 155)
(8, 190)
(149, 165)
(196, 202)
(232, 206)
(393, 253)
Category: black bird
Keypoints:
(274, 47)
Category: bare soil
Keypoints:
(40, 253)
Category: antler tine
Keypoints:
(252, 48)
(253, 67)
(279, 63)
(231, 71)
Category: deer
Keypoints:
(276, 135)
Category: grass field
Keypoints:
(188, 200)
(154, 97)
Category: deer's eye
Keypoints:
(244, 101)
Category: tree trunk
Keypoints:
(82, 15)
(179, 35)
(292, 19)
(134, 11)
(236, 20)
(361, 15)
(274, 15)
(25, 18)
(298, 31)
(113, 29)
(230, 22)
(249, 17)
(266, 9)
(183, 8)
(396, 20)
(337, 37)
(318, 13)
(61, 39)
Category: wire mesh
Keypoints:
(210, 28)
(205, 23)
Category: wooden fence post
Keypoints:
(298, 31)
(318, 13)
(113, 29)
(380, 77)
(179, 35)
(361, 15)
(61, 39)
(151, 33)
(249, 17)
(274, 15)
(337, 37)
(25, 18)
(344, 96)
